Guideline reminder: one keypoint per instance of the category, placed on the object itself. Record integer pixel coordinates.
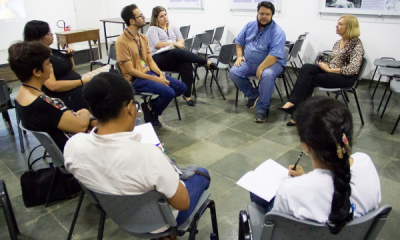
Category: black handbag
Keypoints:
(35, 185)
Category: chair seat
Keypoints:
(389, 72)
(220, 65)
(385, 62)
(256, 220)
(329, 89)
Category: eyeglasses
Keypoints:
(140, 16)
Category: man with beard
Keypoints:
(260, 49)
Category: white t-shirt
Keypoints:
(119, 164)
(310, 196)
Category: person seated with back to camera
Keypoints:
(260, 50)
(37, 111)
(160, 34)
(138, 67)
(64, 82)
(342, 185)
(112, 159)
(340, 70)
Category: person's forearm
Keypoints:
(334, 70)
(163, 44)
(181, 41)
(73, 63)
(139, 74)
(268, 62)
(62, 85)
(239, 50)
(153, 66)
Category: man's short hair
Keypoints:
(266, 4)
(24, 57)
(127, 13)
(106, 94)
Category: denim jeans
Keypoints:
(195, 187)
(240, 74)
(165, 93)
(261, 202)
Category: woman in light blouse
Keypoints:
(160, 34)
(339, 71)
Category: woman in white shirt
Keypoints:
(160, 35)
(342, 185)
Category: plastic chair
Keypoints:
(198, 39)
(146, 96)
(188, 44)
(55, 153)
(390, 72)
(141, 214)
(219, 31)
(282, 75)
(343, 91)
(8, 212)
(282, 226)
(111, 59)
(223, 61)
(207, 39)
(294, 53)
(5, 104)
(382, 62)
(185, 31)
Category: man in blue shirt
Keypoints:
(260, 49)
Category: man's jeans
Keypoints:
(165, 93)
(195, 187)
(262, 202)
(239, 76)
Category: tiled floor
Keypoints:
(223, 138)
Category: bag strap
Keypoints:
(30, 165)
(203, 174)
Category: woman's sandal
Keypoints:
(190, 102)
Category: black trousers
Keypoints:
(311, 76)
(180, 60)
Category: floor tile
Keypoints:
(230, 139)
(202, 128)
(378, 145)
(263, 149)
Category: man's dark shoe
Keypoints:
(260, 117)
(251, 103)
(154, 120)
(146, 112)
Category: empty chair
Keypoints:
(394, 85)
(206, 41)
(390, 72)
(382, 62)
(198, 39)
(185, 31)
(282, 226)
(294, 53)
(219, 31)
(111, 59)
(188, 44)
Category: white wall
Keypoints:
(380, 36)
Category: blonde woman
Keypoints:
(339, 71)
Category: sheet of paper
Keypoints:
(164, 49)
(93, 73)
(148, 134)
(264, 181)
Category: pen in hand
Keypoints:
(298, 159)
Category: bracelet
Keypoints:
(81, 81)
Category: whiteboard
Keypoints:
(370, 7)
(249, 4)
(185, 4)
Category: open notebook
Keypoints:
(148, 134)
(265, 179)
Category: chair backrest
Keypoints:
(140, 214)
(296, 48)
(218, 34)
(188, 44)
(361, 71)
(112, 53)
(51, 147)
(4, 94)
(198, 39)
(185, 31)
(118, 68)
(283, 226)
(226, 53)
(208, 37)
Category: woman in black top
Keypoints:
(39, 112)
(64, 82)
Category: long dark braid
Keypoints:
(326, 126)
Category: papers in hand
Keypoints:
(148, 134)
(265, 179)
(93, 73)
(164, 49)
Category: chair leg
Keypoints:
(387, 101)
(101, 225)
(53, 179)
(290, 78)
(237, 96)
(344, 99)
(6, 117)
(213, 214)
(301, 61)
(376, 86)
(78, 208)
(277, 89)
(8, 212)
(372, 79)
(358, 106)
(384, 93)
(219, 88)
(395, 125)
(21, 141)
(284, 84)
(177, 109)
(244, 229)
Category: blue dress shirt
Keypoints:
(258, 45)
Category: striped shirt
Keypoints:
(157, 34)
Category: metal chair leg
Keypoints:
(219, 88)
(101, 225)
(384, 109)
(78, 208)
(6, 117)
(395, 125)
(213, 214)
(384, 93)
(237, 96)
(277, 89)
(8, 212)
(358, 106)
(372, 79)
(177, 109)
(344, 99)
(376, 86)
